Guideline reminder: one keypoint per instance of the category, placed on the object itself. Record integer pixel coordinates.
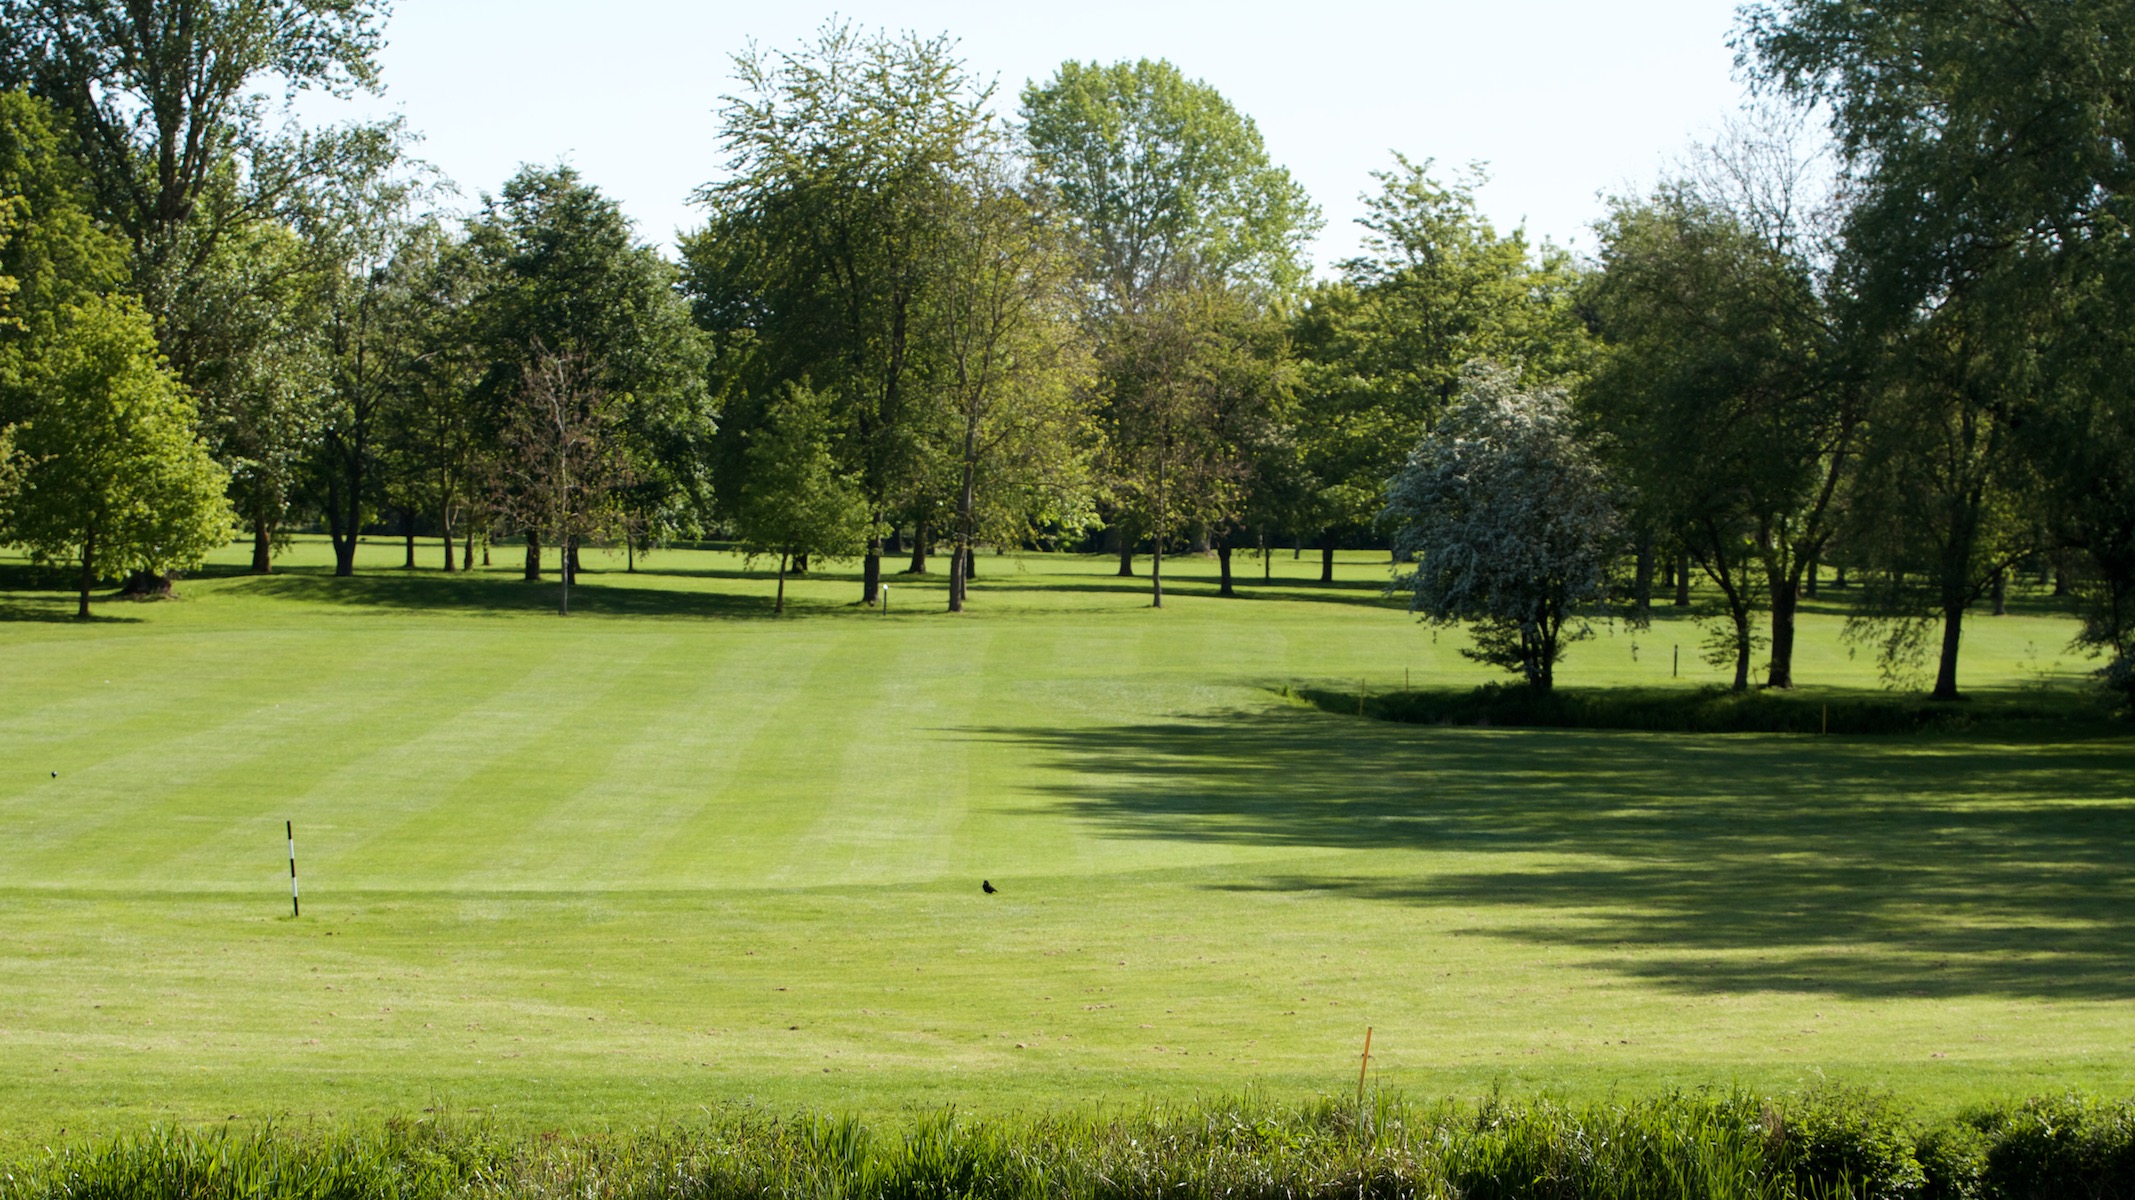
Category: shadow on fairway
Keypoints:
(1878, 867)
(47, 595)
(593, 596)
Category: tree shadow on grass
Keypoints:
(1881, 867)
(30, 593)
(491, 594)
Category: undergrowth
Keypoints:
(2032, 712)
(1680, 1146)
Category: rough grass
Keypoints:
(1674, 1147)
(671, 853)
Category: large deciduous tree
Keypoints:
(1985, 145)
(825, 244)
(1012, 368)
(164, 94)
(115, 479)
(1173, 197)
(564, 274)
(1508, 515)
(356, 222)
(1435, 288)
(1733, 412)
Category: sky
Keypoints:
(1563, 100)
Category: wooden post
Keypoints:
(1677, 669)
(290, 828)
(1365, 1066)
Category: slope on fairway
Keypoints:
(669, 852)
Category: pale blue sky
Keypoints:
(1563, 99)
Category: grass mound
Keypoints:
(2057, 712)
(1678, 1145)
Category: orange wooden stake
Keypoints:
(1366, 1066)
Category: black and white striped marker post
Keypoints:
(290, 827)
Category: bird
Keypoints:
(986, 886)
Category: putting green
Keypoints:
(670, 852)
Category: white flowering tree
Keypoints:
(1508, 517)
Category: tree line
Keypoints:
(1868, 341)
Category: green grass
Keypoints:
(670, 853)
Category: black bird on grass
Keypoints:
(986, 886)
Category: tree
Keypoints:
(826, 237)
(162, 95)
(793, 500)
(259, 371)
(1508, 515)
(1013, 370)
(561, 467)
(563, 273)
(438, 438)
(1384, 349)
(1170, 191)
(1985, 146)
(115, 478)
(1199, 383)
(1727, 389)
(51, 251)
(356, 224)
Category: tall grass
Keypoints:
(1675, 1147)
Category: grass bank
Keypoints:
(1819, 1146)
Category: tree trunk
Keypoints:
(571, 546)
(1126, 559)
(1808, 580)
(468, 551)
(345, 555)
(1156, 574)
(1642, 585)
(1946, 669)
(1838, 577)
(1327, 560)
(447, 539)
(1267, 565)
(407, 535)
(971, 561)
(1223, 566)
(1742, 651)
(896, 542)
(630, 554)
(800, 564)
(921, 535)
(779, 605)
(1682, 582)
(344, 524)
(88, 580)
(1785, 600)
(262, 547)
(533, 556)
(871, 569)
(2001, 593)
